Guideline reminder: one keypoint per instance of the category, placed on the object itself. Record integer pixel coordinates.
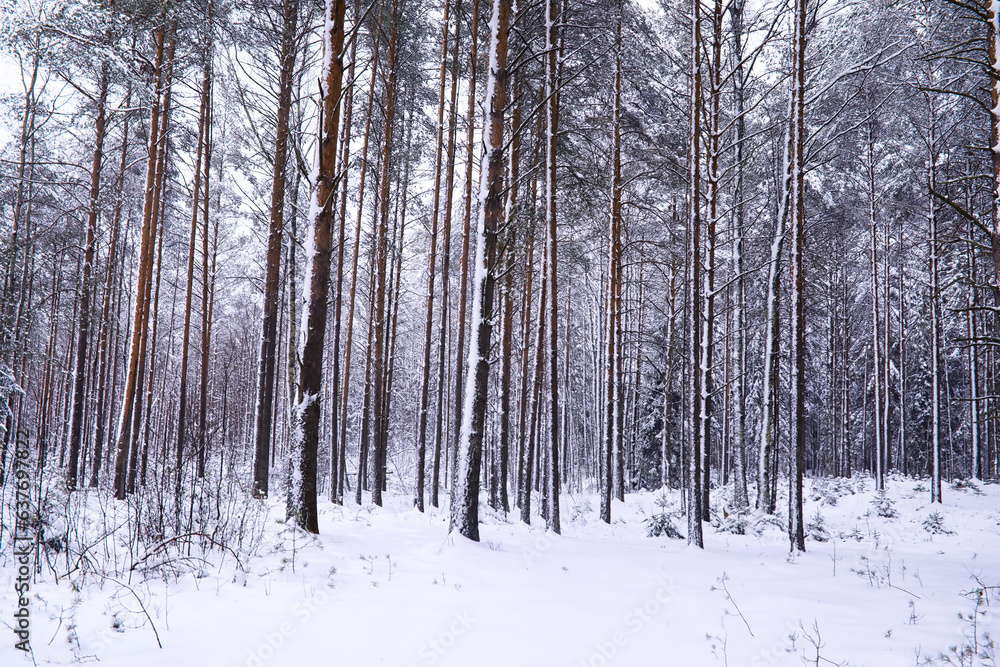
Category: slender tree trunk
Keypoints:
(935, 351)
(145, 268)
(156, 239)
(510, 214)
(465, 498)
(768, 436)
(338, 440)
(362, 449)
(115, 267)
(695, 479)
(712, 205)
(186, 335)
(380, 321)
(418, 500)
(206, 293)
(877, 350)
(531, 472)
(440, 408)
(466, 232)
(740, 498)
(612, 350)
(269, 331)
(302, 493)
(80, 374)
(524, 462)
(134, 463)
(902, 360)
(796, 528)
(552, 76)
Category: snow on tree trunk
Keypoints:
(80, 372)
(552, 67)
(465, 494)
(301, 506)
(796, 525)
(694, 478)
(123, 435)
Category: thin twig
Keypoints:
(730, 596)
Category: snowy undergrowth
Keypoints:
(887, 580)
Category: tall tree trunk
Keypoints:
(712, 205)
(465, 498)
(902, 359)
(440, 417)
(531, 471)
(768, 436)
(134, 463)
(510, 214)
(935, 351)
(694, 477)
(156, 239)
(993, 54)
(206, 286)
(380, 320)
(80, 374)
(877, 350)
(466, 231)
(796, 525)
(418, 500)
(612, 351)
(145, 269)
(302, 492)
(740, 498)
(362, 449)
(552, 76)
(192, 244)
(269, 327)
(115, 268)
(338, 444)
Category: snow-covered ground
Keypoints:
(387, 586)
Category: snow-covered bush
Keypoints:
(580, 510)
(816, 528)
(934, 524)
(736, 522)
(855, 534)
(828, 491)
(659, 525)
(966, 485)
(884, 506)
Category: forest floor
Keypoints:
(885, 581)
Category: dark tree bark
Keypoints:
(611, 348)
(440, 406)
(363, 446)
(796, 526)
(115, 268)
(465, 498)
(80, 374)
(192, 245)
(380, 322)
(694, 479)
(269, 331)
(145, 269)
(418, 500)
(302, 492)
(463, 283)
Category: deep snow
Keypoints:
(388, 586)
